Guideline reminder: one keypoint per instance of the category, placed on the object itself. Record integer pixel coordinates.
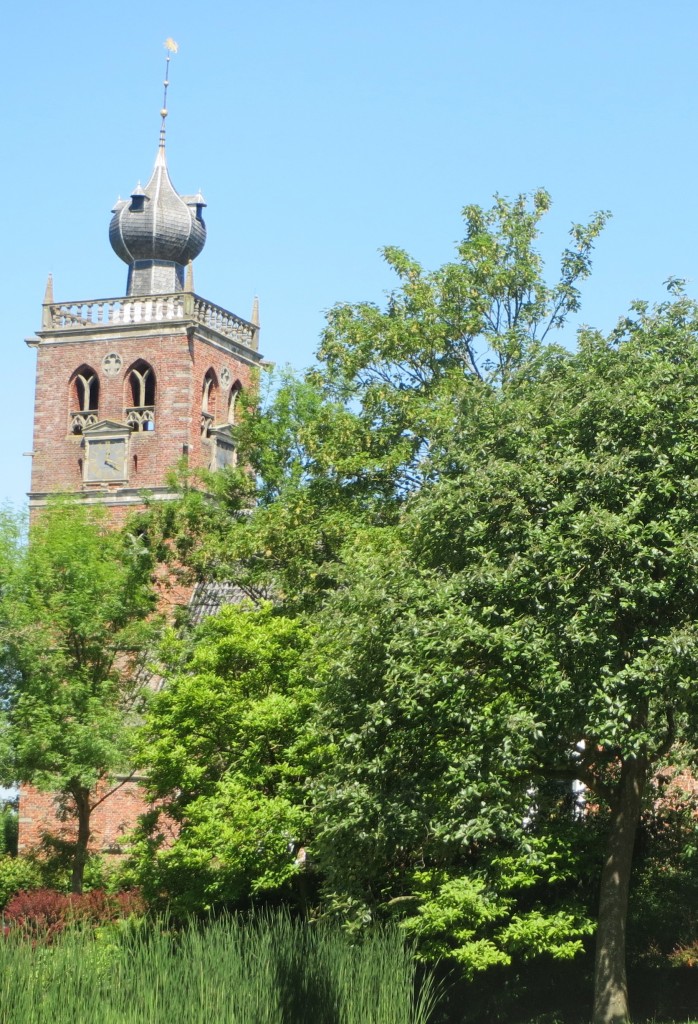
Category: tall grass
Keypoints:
(268, 970)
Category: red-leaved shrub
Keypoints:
(42, 914)
(685, 956)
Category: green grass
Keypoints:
(267, 971)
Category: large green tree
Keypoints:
(75, 601)
(534, 621)
(498, 541)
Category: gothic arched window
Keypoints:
(84, 399)
(233, 410)
(209, 396)
(140, 383)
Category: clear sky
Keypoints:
(320, 132)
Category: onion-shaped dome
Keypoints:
(157, 224)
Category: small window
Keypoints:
(233, 410)
(209, 396)
(140, 414)
(84, 399)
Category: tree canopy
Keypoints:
(228, 746)
(74, 605)
(493, 541)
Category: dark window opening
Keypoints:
(84, 400)
(233, 402)
(209, 395)
(140, 415)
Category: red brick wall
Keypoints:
(39, 813)
(180, 364)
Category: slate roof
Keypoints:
(209, 598)
(157, 223)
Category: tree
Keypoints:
(340, 448)
(74, 608)
(227, 747)
(475, 319)
(533, 621)
(497, 540)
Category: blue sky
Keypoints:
(319, 133)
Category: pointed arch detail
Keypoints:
(84, 398)
(140, 398)
(209, 400)
(233, 396)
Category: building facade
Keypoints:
(125, 388)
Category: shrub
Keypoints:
(42, 914)
(685, 956)
(17, 873)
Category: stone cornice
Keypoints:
(105, 495)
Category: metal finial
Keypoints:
(171, 47)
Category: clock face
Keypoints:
(224, 454)
(106, 459)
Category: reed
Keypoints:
(265, 970)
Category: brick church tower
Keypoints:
(125, 387)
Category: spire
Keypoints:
(48, 294)
(189, 280)
(254, 319)
(158, 231)
(171, 47)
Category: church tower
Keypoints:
(126, 386)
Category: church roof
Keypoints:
(156, 223)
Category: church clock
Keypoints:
(106, 452)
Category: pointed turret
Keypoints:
(48, 299)
(189, 281)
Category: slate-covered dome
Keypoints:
(156, 230)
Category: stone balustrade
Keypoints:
(224, 322)
(148, 309)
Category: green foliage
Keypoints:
(485, 918)
(9, 828)
(478, 315)
(475, 320)
(17, 873)
(227, 748)
(267, 970)
(663, 913)
(532, 621)
(73, 636)
(496, 545)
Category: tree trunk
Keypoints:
(610, 983)
(83, 808)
